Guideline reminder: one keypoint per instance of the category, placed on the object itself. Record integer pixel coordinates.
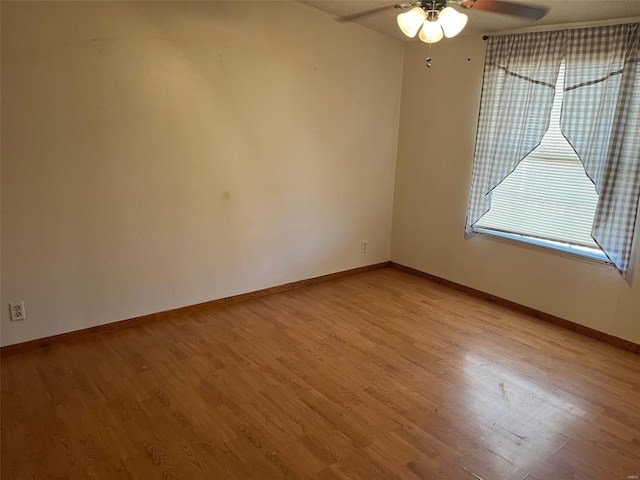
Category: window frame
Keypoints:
(565, 250)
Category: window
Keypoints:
(527, 182)
(548, 200)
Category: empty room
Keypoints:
(329, 240)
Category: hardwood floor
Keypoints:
(381, 375)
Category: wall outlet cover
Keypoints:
(16, 310)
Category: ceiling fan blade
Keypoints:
(509, 8)
(355, 16)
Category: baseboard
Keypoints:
(154, 317)
(589, 332)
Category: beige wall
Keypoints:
(435, 152)
(156, 155)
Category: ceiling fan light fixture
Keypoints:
(411, 21)
(431, 32)
(452, 21)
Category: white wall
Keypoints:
(156, 155)
(433, 174)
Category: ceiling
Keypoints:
(561, 12)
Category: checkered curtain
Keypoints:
(601, 120)
(520, 73)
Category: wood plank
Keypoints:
(178, 312)
(382, 375)
(547, 317)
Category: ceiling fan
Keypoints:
(436, 18)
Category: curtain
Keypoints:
(520, 74)
(601, 120)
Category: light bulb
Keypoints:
(431, 32)
(452, 21)
(411, 21)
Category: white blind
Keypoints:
(548, 196)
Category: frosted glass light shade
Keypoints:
(411, 21)
(452, 21)
(431, 32)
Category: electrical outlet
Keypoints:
(17, 311)
(364, 246)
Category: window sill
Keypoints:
(549, 246)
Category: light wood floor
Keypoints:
(376, 376)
